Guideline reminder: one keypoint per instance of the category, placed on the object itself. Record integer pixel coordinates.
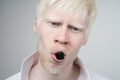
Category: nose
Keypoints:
(62, 37)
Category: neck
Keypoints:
(70, 73)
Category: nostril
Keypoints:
(66, 43)
(56, 41)
(61, 42)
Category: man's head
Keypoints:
(62, 27)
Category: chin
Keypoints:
(51, 69)
(54, 71)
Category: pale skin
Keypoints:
(58, 31)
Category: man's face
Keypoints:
(62, 33)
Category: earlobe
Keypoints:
(84, 42)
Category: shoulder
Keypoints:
(95, 76)
(17, 76)
(86, 73)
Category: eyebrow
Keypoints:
(53, 19)
(60, 22)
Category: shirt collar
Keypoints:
(32, 60)
(84, 73)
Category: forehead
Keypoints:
(59, 14)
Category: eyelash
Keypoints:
(54, 24)
(74, 29)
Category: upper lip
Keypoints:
(58, 51)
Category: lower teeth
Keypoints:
(59, 55)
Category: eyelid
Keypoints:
(78, 29)
(53, 24)
(57, 23)
(78, 26)
(53, 21)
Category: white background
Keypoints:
(17, 39)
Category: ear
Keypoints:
(85, 41)
(35, 25)
(86, 37)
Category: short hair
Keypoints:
(80, 7)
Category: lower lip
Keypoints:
(56, 60)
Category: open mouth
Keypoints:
(58, 57)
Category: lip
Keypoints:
(55, 59)
(53, 53)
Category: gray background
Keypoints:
(17, 39)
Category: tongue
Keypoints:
(59, 55)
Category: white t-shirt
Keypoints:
(85, 74)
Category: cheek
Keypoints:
(77, 40)
(76, 43)
(46, 37)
